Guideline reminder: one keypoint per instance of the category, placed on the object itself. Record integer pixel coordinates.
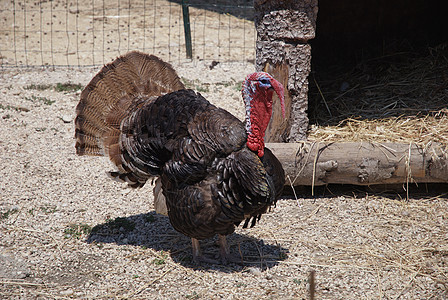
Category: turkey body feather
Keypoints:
(137, 112)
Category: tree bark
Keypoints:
(283, 30)
(314, 163)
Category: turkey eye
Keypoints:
(264, 81)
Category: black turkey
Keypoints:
(213, 170)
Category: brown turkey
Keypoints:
(213, 170)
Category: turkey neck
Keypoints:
(258, 114)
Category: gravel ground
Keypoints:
(68, 231)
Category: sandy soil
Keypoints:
(85, 32)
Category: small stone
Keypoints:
(254, 271)
(67, 118)
(67, 292)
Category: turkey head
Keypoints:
(257, 92)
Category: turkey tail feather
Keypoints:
(118, 89)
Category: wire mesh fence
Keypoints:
(78, 33)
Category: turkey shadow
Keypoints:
(154, 231)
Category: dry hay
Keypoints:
(419, 129)
(401, 97)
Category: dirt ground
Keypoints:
(86, 33)
(69, 232)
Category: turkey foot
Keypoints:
(197, 255)
(224, 252)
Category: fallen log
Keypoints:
(314, 163)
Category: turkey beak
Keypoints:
(278, 88)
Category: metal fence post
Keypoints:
(187, 29)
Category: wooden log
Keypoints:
(314, 163)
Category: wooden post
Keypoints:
(283, 30)
(314, 163)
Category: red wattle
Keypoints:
(260, 115)
(256, 145)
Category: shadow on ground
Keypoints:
(242, 9)
(154, 231)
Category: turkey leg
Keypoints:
(224, 251)
(197, 255)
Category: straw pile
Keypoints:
(401, 97)
(419, 129)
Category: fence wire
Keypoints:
(75, 33)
